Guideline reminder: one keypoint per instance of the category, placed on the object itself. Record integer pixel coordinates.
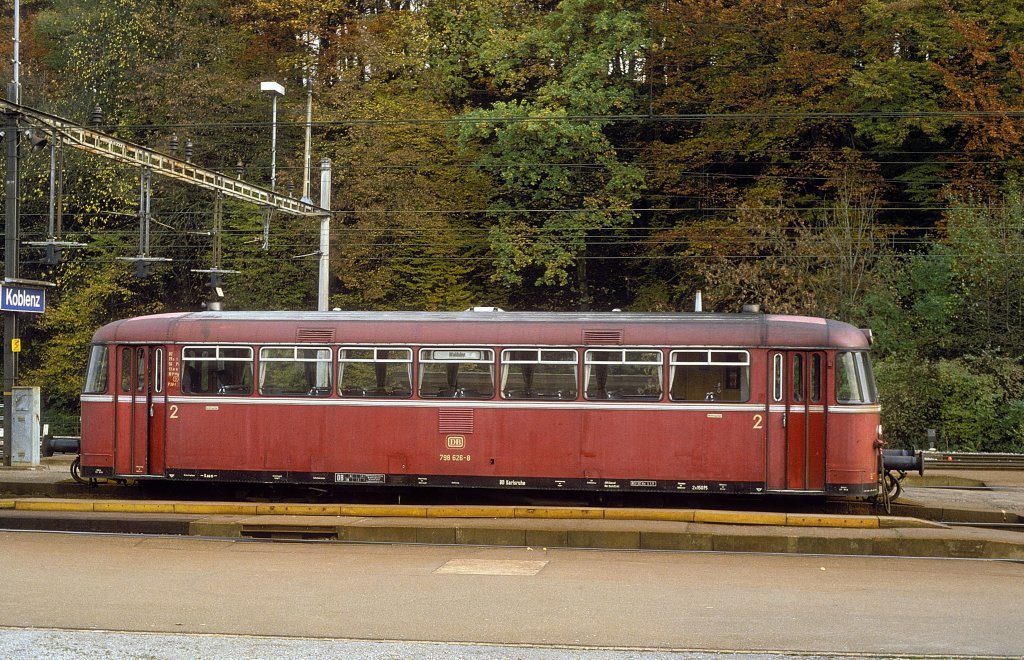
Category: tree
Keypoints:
(559, 184)
(926, 66)
(61, 336)
(985, 244)
(949, 325)
(407, 237)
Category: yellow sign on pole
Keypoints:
(16, 345)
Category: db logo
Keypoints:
(456, 442)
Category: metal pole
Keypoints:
(273, 145)
(142, 212)
(12, 214)
(59, 197)
(146, 217)
(12, 221)
(307, 185)
(53, 188)
(267, 212)
(325, 234)
(15, 96)
(218, 229)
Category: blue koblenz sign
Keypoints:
(22, 299)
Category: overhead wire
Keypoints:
(198, 214)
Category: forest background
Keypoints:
(859, 160)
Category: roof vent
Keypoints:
(485, 309)
(750, 308)
(315, 334)
(602, 337)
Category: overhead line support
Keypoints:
(126, 152)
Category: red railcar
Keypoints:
(716, 403)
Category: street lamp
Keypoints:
(275, 90)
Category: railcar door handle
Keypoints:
(785, 419)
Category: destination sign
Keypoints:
(14, 298)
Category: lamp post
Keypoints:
(275, 90)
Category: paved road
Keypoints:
(503, 596)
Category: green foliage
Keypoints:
(908, 408)
(975, 404)
(950, 325)
(401, 241)
(911, 309)
(986, 246)
(59, 348)
(558, 184)
(968, 406)
(569, 154)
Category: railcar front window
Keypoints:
(536, 373)
(623, 374)
(216, 370)
(97, 373)
(295, 371)
(372, 372)
(709, 375)
(855, 382)
(456, 373)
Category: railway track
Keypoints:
(958, 460)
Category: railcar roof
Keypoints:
(485, 328)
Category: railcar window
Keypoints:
(537, 373)
(798, 377)
(623, 374)
(126, 370)
(456, 373)
(295, 371)
(158, 370)
(97, 373)
(385, 372)
(212, 370)
(778, 375)
(815, 379)
(855, 383)
(709, 375)
(140, 371)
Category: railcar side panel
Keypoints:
(758, 414)
(852, 459)
(98, 432)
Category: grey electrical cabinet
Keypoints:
(25, 426)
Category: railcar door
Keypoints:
(801, 377)
(139, 441)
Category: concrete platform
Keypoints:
(922, 524)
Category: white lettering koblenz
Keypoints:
(21, 299)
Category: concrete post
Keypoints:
(325, 235)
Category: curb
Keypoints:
(774, 519)
(542, 527)
(930, 541)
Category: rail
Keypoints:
(960, 460)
